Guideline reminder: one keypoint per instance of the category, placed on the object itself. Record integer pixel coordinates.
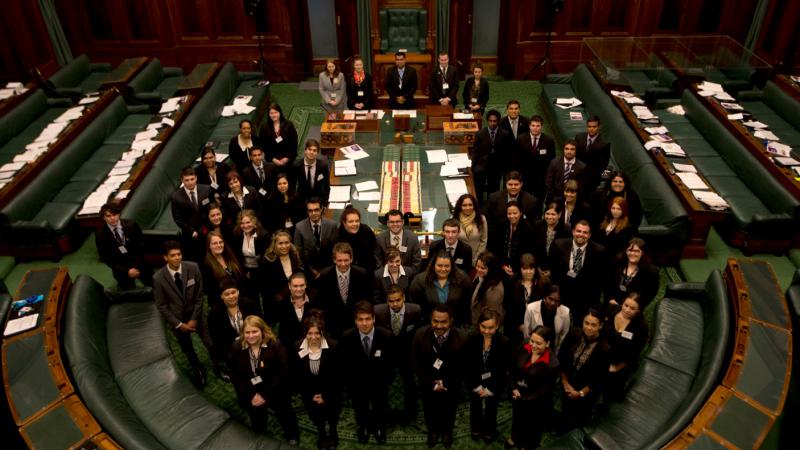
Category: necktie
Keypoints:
(491, 135)
(366, 345)
(589, 142)
(567, 172)
(193, 198)
(396, 241)
(440, 340)
(309, 178)
(343, 288)
(178, 281)
(261, 174)
(118, 234)
(514, 127)
(577, 262)
(535, 143)
(316, 234)
(396, 323)
(451, 251)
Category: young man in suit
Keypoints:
(402, 319)
(560, 170)
(260, 174)
(314, 237)
(594, 152)
(120, 246)
(400, 238)
(311, 174)
(437, 359)
(444, 83)
(490, 155)
(496, 206)
(344, 285)
(401, 83)
(460, 252)
(579, 266)
(367, 355)
(513, 122)
(189, 204)
(178, 294)
(534, 152)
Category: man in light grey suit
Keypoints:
(314, 237)
(178, 293)
(397, 236)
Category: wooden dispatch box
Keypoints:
(460, 133)
(337, 134)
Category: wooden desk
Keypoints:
(421, 62)
(701, 218)
(124, 72)
(755, 146)
(789, 86)
(368, 124)
(199, 79)
(10, 103)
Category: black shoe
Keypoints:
(363, 435)
(380, 436)
(509, 444)
(475, 435)
(447, 440)
(199, 378)
(490, 437)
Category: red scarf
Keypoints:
(359, 77)
(544, 358)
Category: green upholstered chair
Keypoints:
(403, 29)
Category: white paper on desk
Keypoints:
(21, 324)
(575, 115)
(167, 121)
(336, 205)
(36, 146)
(145, 135)
(565, 100)
(119, 171)
(462, 116)
(89, 210)
(14, 84)
(657, 130)
(724, 96)
(374, 207)
(6, 93)
(436, 156)
(371, 196)
(754, 124)
(367, 186)
(355, 152)
(737, 116)
(116, 179)
(88, 100)
(710, 199)
(412, 113)
(766, 134)
(344, 167)
(673, 149)
(709, 86)
(732, 106)
(677, 109)
(124, 163)
(779, 149)
(379, 113)
(242, 99)
(786, 161)
(27, 157)
(145, 145)
(154, 126)
(227, 111)
(122, 194)
(705, 93)
(7, 175)
(456, 186)
(652, 143)
(15, 166)
(448, 170)
(622, 94)
(633, 100)
(461, 162)
(169, 107)
(339, 194)
(3, 183)
(692, 180)
(132, 155)
(429, 220)
(684, 167)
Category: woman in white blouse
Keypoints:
(474, 229)
(332, 88)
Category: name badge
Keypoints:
(522, 383)
(623, 288)
(122, 249)
(542, 151)
(320, 177)
(627, 335)
(190, 283)
(214, 185)
(438, 364)
(474, 100)
(288, 224)
(279, 139)
(204, 202)
(377, 353)
(445, 86)
(335, 80)
(262, 191)
(360, 93)
(333, 95)
(410, 327)
(255, 380)
(403, 248)
(571, 274)
(459, 261)
(486, 375)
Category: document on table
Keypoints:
(736, 116)
(732, 106)
(633, 100)
(673, 149)
(692, 180)
(709, 86)
(657, 130)
(457, 186)
(566, 103)
(88, 100)
(370, 196)
(373, 207)
(462, 116)
(710, 199)
(7, 175)
(12, 166)
(339, 194)
(412, 113)
(119, 171)
(754, 124)
(779, 149)
(344, 167)
(21, 324)
(724, 96)
(460, 160)
(145, 135)
(354, 151)
(337, 205)
(684, 167)
(170, 105)
(786, 161)
(436, 156)
(766, 134)
(367, 185)
(448, 170)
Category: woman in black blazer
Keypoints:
(619, 185)
(511, 238)
(532, 379)
(279, 138)
(529, 285)
(442, 283)
(360, 94)
(226, 319)
(632, 273)
(360, 237)
(627, 335)
(259, 372)
(250, 241)
(573, 208)
(546, 231)
(211, 172)
(281, 261)
(615, 231)
(284, 207)
(390, 274)
(217, 220)
(297, 298)
(238, 196)
(240, 145)
(317, 374)
(476, 90)
(486, 357)
(219, 265)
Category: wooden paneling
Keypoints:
(779, 41)
(24, 42)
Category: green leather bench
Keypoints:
(39, 219)
(125, 374)
(80, 76)
(678, 372)
(23, 124)
(155, 82)
(761, 209)
(780, 111)
(666, 222)
(149, 205)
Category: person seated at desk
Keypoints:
(279, 137)
(311, 174)
(476, 91)
(332, 88)
(120, 244)
(360, 96)
(444, 83)
(401, 83)
(240, 145)
(212, 173)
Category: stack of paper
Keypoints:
(622, 94)
(677, 109)
(766, 134)
(575, 115)
(170, 105)
(457, 186)
(369, 185)
(736, 116)
(723, 96)
(633, 100)
(70, 114)
(12, 88)
(786, 161)
(754, 124)
(692, 180)
(673, 149)
(732, 106)
(657, 130)
(462, 116)
(566, 103)
(709, 86)
(239, 106)
(436, 156)
(710, 199)
(779, 149)
(354, 151)
(344, 167)
(339, 194)
(88, 100)
(684, 167)
(412, 113)
(643, 113)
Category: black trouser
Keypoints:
(406, 372)
(576, 413)
(363, 397)
(326, 413)
(281, 406)
(440, 411)
(185, 342)
(483, 414)
(528, 421)
(126, 282)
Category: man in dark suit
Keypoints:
(460, 252)
(260, 174)
(594, 152)
(579, 266)
(490, 155)
(367, 355)
(178, 294)
(495, 209)
(402, 319)
(437, 359)
(120, 246)
(400, 238)
(401, 83)
(314, 237)
(513, 122)
(343, 285)
(188, 204)
(534, 152)
(443, 86)
(311, 174)
(562, 169)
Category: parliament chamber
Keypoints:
(319, 157)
